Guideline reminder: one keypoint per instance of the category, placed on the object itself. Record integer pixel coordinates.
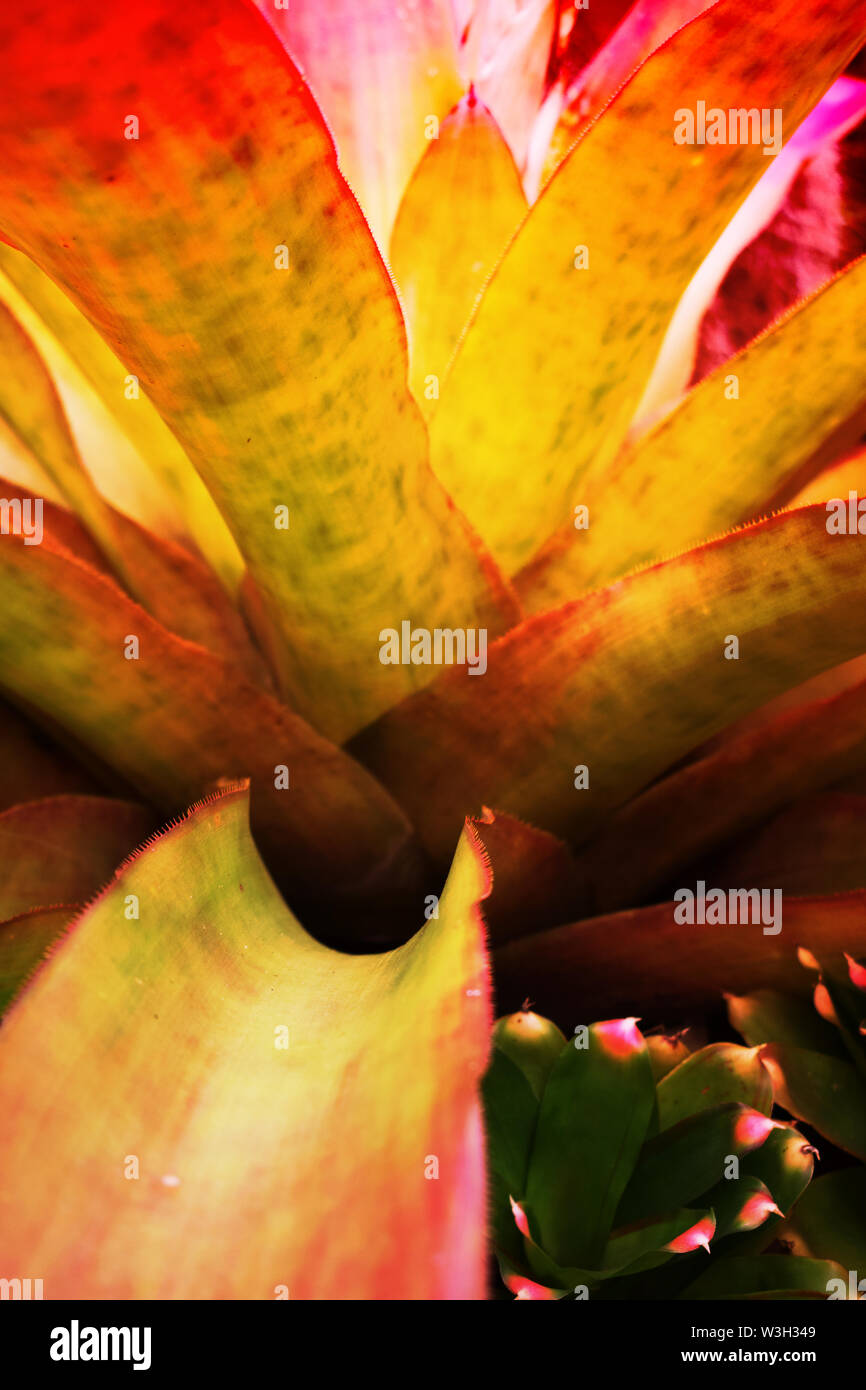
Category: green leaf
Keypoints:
(666, 1052)
(829, 1221)
(822, 1091)
(676, 1233)
(594, 1114)
(24, 942)
(784, 1163)
(642, 1247)
(572, 344)
(740, 1204)
(630, 1252)
(510, 1112)
(300, 1118)
(285, 386)
(718, 1073)
(623, 682)
(770, 1275)
(532, 1043)
(768, 1016)
(688, 1159)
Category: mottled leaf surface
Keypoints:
(715, 461)
(282, 372)
(624, 681)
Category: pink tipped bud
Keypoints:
(755, 1211)
(620, 1036)
(752, 1128)
(856, 972)
(519, 1215)
(527, 1288)
(824, 1004)
(698, 1235)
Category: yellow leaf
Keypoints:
(551, 369)
(463, 204)
(133, 457)
(739, 438)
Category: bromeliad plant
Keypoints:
(816, 1054)
(620, 1172)
(242, 518)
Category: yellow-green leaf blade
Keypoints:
(173, 584)
(224, 1108)
(134, 458)
(461, 207)
(223, 257)
(173, 719)
(25, 941)
(718, 459)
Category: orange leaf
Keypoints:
(583, 706)
(63, 848)
(645, 960)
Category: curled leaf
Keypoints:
(275, 1119)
